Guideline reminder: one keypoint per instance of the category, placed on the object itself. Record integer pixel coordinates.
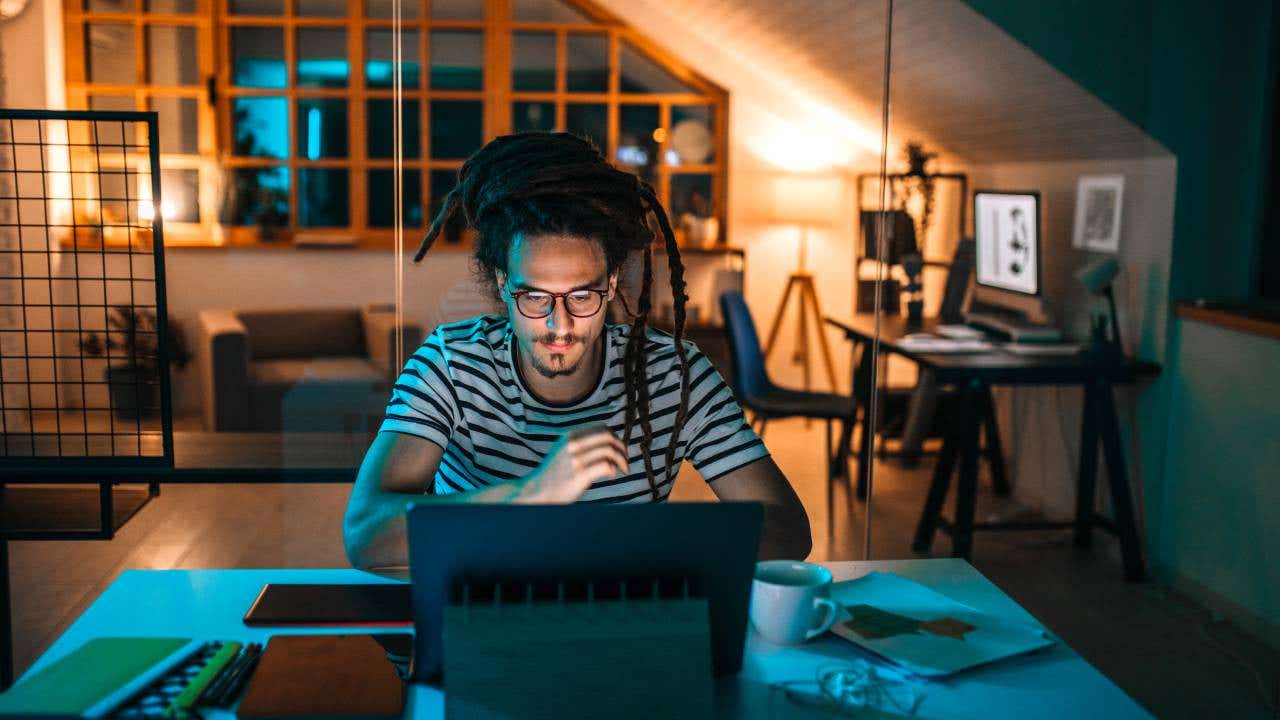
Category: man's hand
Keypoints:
(576, 461)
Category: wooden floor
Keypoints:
(1171, 656)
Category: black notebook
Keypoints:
(380, 604)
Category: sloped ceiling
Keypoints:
(957, 80)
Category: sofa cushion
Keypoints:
(342, 370)
(303, 333)
(316, 394)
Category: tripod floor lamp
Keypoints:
(804, 201)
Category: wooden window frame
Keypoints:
(214, 25)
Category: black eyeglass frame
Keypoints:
(563, 297)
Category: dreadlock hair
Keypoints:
(537, 183)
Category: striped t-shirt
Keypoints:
(461, 391)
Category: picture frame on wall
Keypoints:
(1099, 202)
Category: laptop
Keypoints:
(712, 546)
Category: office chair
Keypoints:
(766, 401)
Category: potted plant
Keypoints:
(133, 371)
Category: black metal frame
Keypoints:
(39, 464)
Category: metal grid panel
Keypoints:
(84, 373)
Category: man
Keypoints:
(548, 403)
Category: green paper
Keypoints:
(75, 683)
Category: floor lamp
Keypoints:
(804, 201)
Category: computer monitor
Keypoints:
(1007, 234)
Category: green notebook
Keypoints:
(80, 682)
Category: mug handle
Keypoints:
(831, 612)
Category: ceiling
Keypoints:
(957, 80)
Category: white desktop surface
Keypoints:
(1054, 683)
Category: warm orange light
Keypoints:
(660, 135)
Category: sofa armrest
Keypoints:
(380, 338)
(222, 351)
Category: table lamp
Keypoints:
(804, 201)
(1097, 277)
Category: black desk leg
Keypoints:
(862, 390)
(937, 492)
(1118, 481)
(967, 487)
(994, 452)
(1087, 483)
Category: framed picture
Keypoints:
(1099, 199)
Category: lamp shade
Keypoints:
(806, 199)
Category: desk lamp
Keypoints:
(1097, 277)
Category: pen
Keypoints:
(214, 690)
(235, 683)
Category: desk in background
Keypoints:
(973, 375)
(1053, 683)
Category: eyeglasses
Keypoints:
(537, 304)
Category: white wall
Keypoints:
(1041, 426)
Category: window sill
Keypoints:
(1253, 319)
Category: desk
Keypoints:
(1053, 683)
(973, 375)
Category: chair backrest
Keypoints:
(750, 379)
(957, 283)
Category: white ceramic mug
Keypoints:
(790, 601)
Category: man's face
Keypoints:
(558, 343)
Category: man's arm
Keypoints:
(398, 468)
(786, 533)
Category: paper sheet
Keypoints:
(923, 631)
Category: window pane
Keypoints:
(457, 128)
(111, 54)
(588, 63)
(381, 9)
(110, 5)
(637, 147)
(322, 198)
(588, 120)
(258, 196)
(457, 60)
(381, 129)
(457, 9)
(690, 193)
(261, 127)
(322, 8)
(381, 194)
(533, 116)
(257, 7)
(177, 7)
(171, 56)
(180, 195)
(378, 67)
(642, 75)
(322, 128)
(533, 61)
(322, 57)
(179, 124)
(112, 102)
(692, 136)
(442, 181)
(257, 57)
(545, 10)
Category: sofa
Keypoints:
(298, 369)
